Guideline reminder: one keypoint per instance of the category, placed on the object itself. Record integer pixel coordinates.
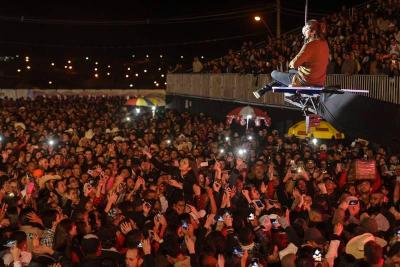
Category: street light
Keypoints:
(258, 19)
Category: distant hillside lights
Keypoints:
(79, 67)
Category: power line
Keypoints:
(191, 19)
(135, 46)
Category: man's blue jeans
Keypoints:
(282, 78)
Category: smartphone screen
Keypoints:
(259, 203)
(317, 255)
(237, 251)
(353, 202)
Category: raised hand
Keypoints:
(146, 246)
(33, 217)
(147, 154)
(196, 190)
(190, 244)
(112, 197)
(338, 229)
(126, 227)
(3, 211)
(209, 221)
(216, 186)
(228, 220)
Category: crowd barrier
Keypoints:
(238, 87)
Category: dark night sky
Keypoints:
(44, 38)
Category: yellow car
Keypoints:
(323, 131)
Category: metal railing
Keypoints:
(237, 87)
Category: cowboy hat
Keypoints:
(44, 179)
(20, 125)
(355, 246)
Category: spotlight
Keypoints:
(128, 118)
(314, 141)
(168, 141)
(227, 138)
(87, 58)
(153, 108)
(249, 137)
(221, 151)
(137, 110)
(130, 85)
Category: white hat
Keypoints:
(119, 139)
(355, 246)
(44, 179)
(290, 249)
(114, 130)
(19, 124)
(89, 134)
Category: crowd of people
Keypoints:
(83, 185)
(362, 41)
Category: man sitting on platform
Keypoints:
(311, 62)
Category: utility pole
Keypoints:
(278, 19)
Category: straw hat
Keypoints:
(44, 179)
(355, 246)
(19, 125)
